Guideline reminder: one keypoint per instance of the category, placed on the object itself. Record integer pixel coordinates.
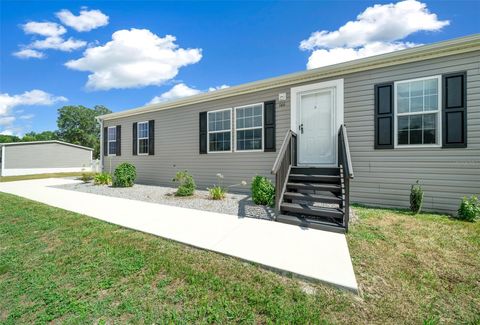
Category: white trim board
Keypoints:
(34, 171)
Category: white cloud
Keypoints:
(378, 29)
(7, 120)
(324, 57)
(86, 21)
(7, 132)
(134, 58)
(32, 97)
(181, 90)
(26, 117)
(177, 91)
(58, 43)
(29, 53)
(218, 87)
(44, 28)
(53, 40)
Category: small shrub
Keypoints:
(217, 192)
(102, 179)
(86, 178)
(263, 191)
(416, 198)
(186, 185)
(469, 209)
(124, 175)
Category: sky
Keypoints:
(126, 54)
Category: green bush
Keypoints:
(102, 179)
(416, 198)
(217, 192)
(186, 185)
(86, 177)
(124, 175)
(263, 191)
(469, 209)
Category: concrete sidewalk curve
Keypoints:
(308, 253)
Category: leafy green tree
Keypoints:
(42, 136)
(77, 124)
(8, 138)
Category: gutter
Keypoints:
(100, 153)
(441, 49)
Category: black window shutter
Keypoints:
(454, 111)
(384, 116)
(203, 132)
(134, 137)
(269, 126)
(119, 140)
(105, 141)
(151, 137)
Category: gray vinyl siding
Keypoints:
(46, 155)
(382, 177)
(177, 146)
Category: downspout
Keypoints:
(3, 161)
(100, 154)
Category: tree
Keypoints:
(8, 138)
(77, 124)
(42, 136)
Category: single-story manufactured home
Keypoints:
(362, 131)
(43, 157)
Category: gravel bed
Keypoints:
(236, 204)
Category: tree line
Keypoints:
(76, 124)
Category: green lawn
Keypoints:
(67, 268)
(39, 176)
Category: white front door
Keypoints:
(317, 131)
(316, 116)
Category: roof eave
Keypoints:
(430, 51)
(45, 142)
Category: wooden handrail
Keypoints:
(283, 149)
(286, 158)
(346, 172)
(346, 147)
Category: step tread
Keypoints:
(316, 170)
(314, 185)
(312, 210)
(310, 223)
(312, 197)
(315, 176)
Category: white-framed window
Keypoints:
(142, 138)
(112, 140)
(249, 127)
(220, 130)
(418, 115)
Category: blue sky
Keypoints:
(218, 44)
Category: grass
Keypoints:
(39, 176)
(63, 267)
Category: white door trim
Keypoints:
(338, 101)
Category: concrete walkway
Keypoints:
(313, 254)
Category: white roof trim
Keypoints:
(44, 142)
(441, 49)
